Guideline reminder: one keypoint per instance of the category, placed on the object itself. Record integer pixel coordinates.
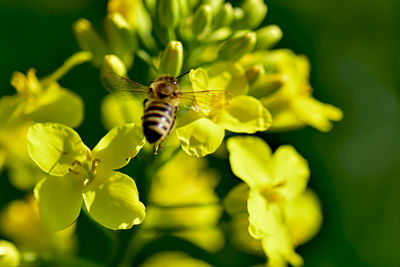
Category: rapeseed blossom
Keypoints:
(36, 100)
(76, 174)
(282, 214)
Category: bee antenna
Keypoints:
(183, 74)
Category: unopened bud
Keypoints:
(121, 38)
(201, 21)
(113, 64)
(254, 73)
(237, 47)
(89, 40)
(268, 36)
(224, 16)
(9, 254)
(169, 13)
(172, 59)
(254, 12)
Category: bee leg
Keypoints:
(162, 144)
(155, 151)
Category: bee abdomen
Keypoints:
(157, 120)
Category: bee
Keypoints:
(162, 99)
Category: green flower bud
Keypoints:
(120, 37)
(113, 64)
(201, 21)
(254, 73)
(89, 40)
(151, 6)
(214, 4)
(224, 16)
(235, 48)
(169, 13)
(172, 59)
(268, 36)
(254, 12)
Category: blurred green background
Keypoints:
(353, 49)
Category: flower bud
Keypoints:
(89, 40)
(172, 59)
(224, 16)
(120, 37)
(238, 46)
(201, 21)
(169, 13)
(268, 36)
(254, 73)
(254, 12)
(113, 64)
(9, 254)
(214, 4)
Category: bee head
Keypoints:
(165, 86)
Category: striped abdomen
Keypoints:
(158, 119)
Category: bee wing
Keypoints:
(119, 84)
(204, 101)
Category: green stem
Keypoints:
(76, 59)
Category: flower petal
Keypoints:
(250, 159)
(55, 147)
(112, 200)
(57, 105)
(228, 76)
(264, 217)
(303, 217)
(245, 114)
(59, 200)
(9, 254)
(316, 113)
(291, 170)
(118, 146)
(201, 137)
(235, 202)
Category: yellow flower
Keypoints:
(285, 90)
(241, 113)
(37, 100)
(20, 222)
(281, 213)
(182, 200)
(76, 174)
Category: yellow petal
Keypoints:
(235, 202)
(285, 120)
(59, 200)
(55, 147)
(250, 160)
(303, 217)
(316, 113)
(291, 170)
(112, 200)
(57, 105)
(201, 137)
(245, 114)
(228, 76)
(264, 217)
(118, 146)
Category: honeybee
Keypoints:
(162, 99)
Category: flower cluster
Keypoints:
(241, 86)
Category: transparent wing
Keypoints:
(204, 101)
(121, 85)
